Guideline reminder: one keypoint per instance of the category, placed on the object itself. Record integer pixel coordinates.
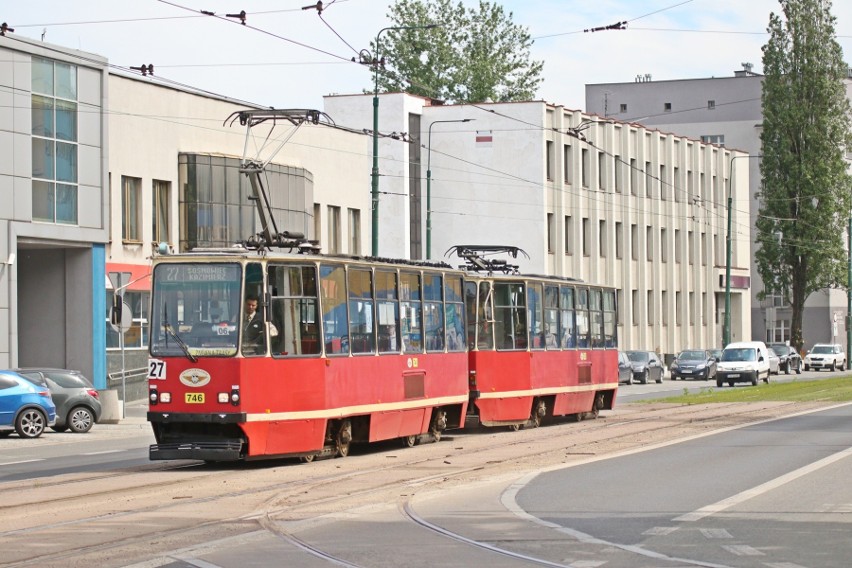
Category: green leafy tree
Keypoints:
(805, 200)
(475, 54)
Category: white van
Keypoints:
(743, 362)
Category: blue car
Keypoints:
(25, 408)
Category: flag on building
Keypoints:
(483, 138)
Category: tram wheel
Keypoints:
(514, 427)
(596, 407)
(438, 425)
(344, 438)
(409, 441)
(307, 459)
(538, 412)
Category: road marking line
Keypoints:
(763, 488)
(103, 452)
(22, 461)
(742, 550)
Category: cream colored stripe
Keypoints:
(352, 410)
(549, 390)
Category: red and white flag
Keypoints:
(483, 138)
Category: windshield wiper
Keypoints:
(180, 342)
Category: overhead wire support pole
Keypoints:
(374, 174)
(429, 184)
(726, 329)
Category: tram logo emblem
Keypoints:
(195, 377)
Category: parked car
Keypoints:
(78, 405)
(647, 366)
(774, 362)
(693, 363)
(625, 369)
(825, 356)
(789, 359)
(25, 408)
(743, 362)
(716, 353)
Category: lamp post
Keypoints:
(726, 330)
(375, 171)
(429, 184)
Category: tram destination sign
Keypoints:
(199, 272)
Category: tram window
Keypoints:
(567, 329)
(582, 318)
(454, 313)
(294, 309)
(470, 308)
(535, 313)
(361, 332)
(433, 312)
(551, 317)
(410, 318)
(610, 337)
(335, 322)
(254, 336)
(510, 314)
(596, 314)
(387, 309)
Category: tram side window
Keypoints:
(410, 319)
(510, 314)
(254, 329)
(582, 315)
(551, 317)
(335, 323)
(433, 311)
(609, 315)
(294, 309)
(454, 311)
(470, 307)
(535, 315)
(387, 311)
(596, 312)
(361, 332)
(567, 327)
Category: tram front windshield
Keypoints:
(195, 309)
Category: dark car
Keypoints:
(716, 353)
(25, 408)
(647, 366)
(625, 369)
(78, 405)
(693, 364)
(789, 359)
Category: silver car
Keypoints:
(78, 405)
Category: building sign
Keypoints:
(741, 282)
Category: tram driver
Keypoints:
(254, 328)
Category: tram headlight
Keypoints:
(235, 395)
(166, 397)
(153, 396)
(223, 398)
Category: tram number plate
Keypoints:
(734, 376)
(195, 398)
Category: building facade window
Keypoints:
(601, 170)
(617, 173)
(549, 159)
(333, 229)
(566, 163)
(161, 193)
(54, 141)
(317, 221)
(569, 235)
(137, 336)
(619, 240)
(602, 244)
(131, 209)
(585, 167)
(354, 231)
(587, 237)
(550, 234)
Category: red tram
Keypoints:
(258, 354)
(350, 350)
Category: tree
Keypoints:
(474, 55)
(805, 199)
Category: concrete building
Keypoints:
(726, 111)
(54, 206)
(605, 201)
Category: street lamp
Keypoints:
(375, 171)
(726, 330)
(429, 184)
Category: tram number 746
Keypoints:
(195, 398)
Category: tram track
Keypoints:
(192, 500)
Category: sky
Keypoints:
(289, 57)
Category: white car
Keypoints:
(825, 356)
